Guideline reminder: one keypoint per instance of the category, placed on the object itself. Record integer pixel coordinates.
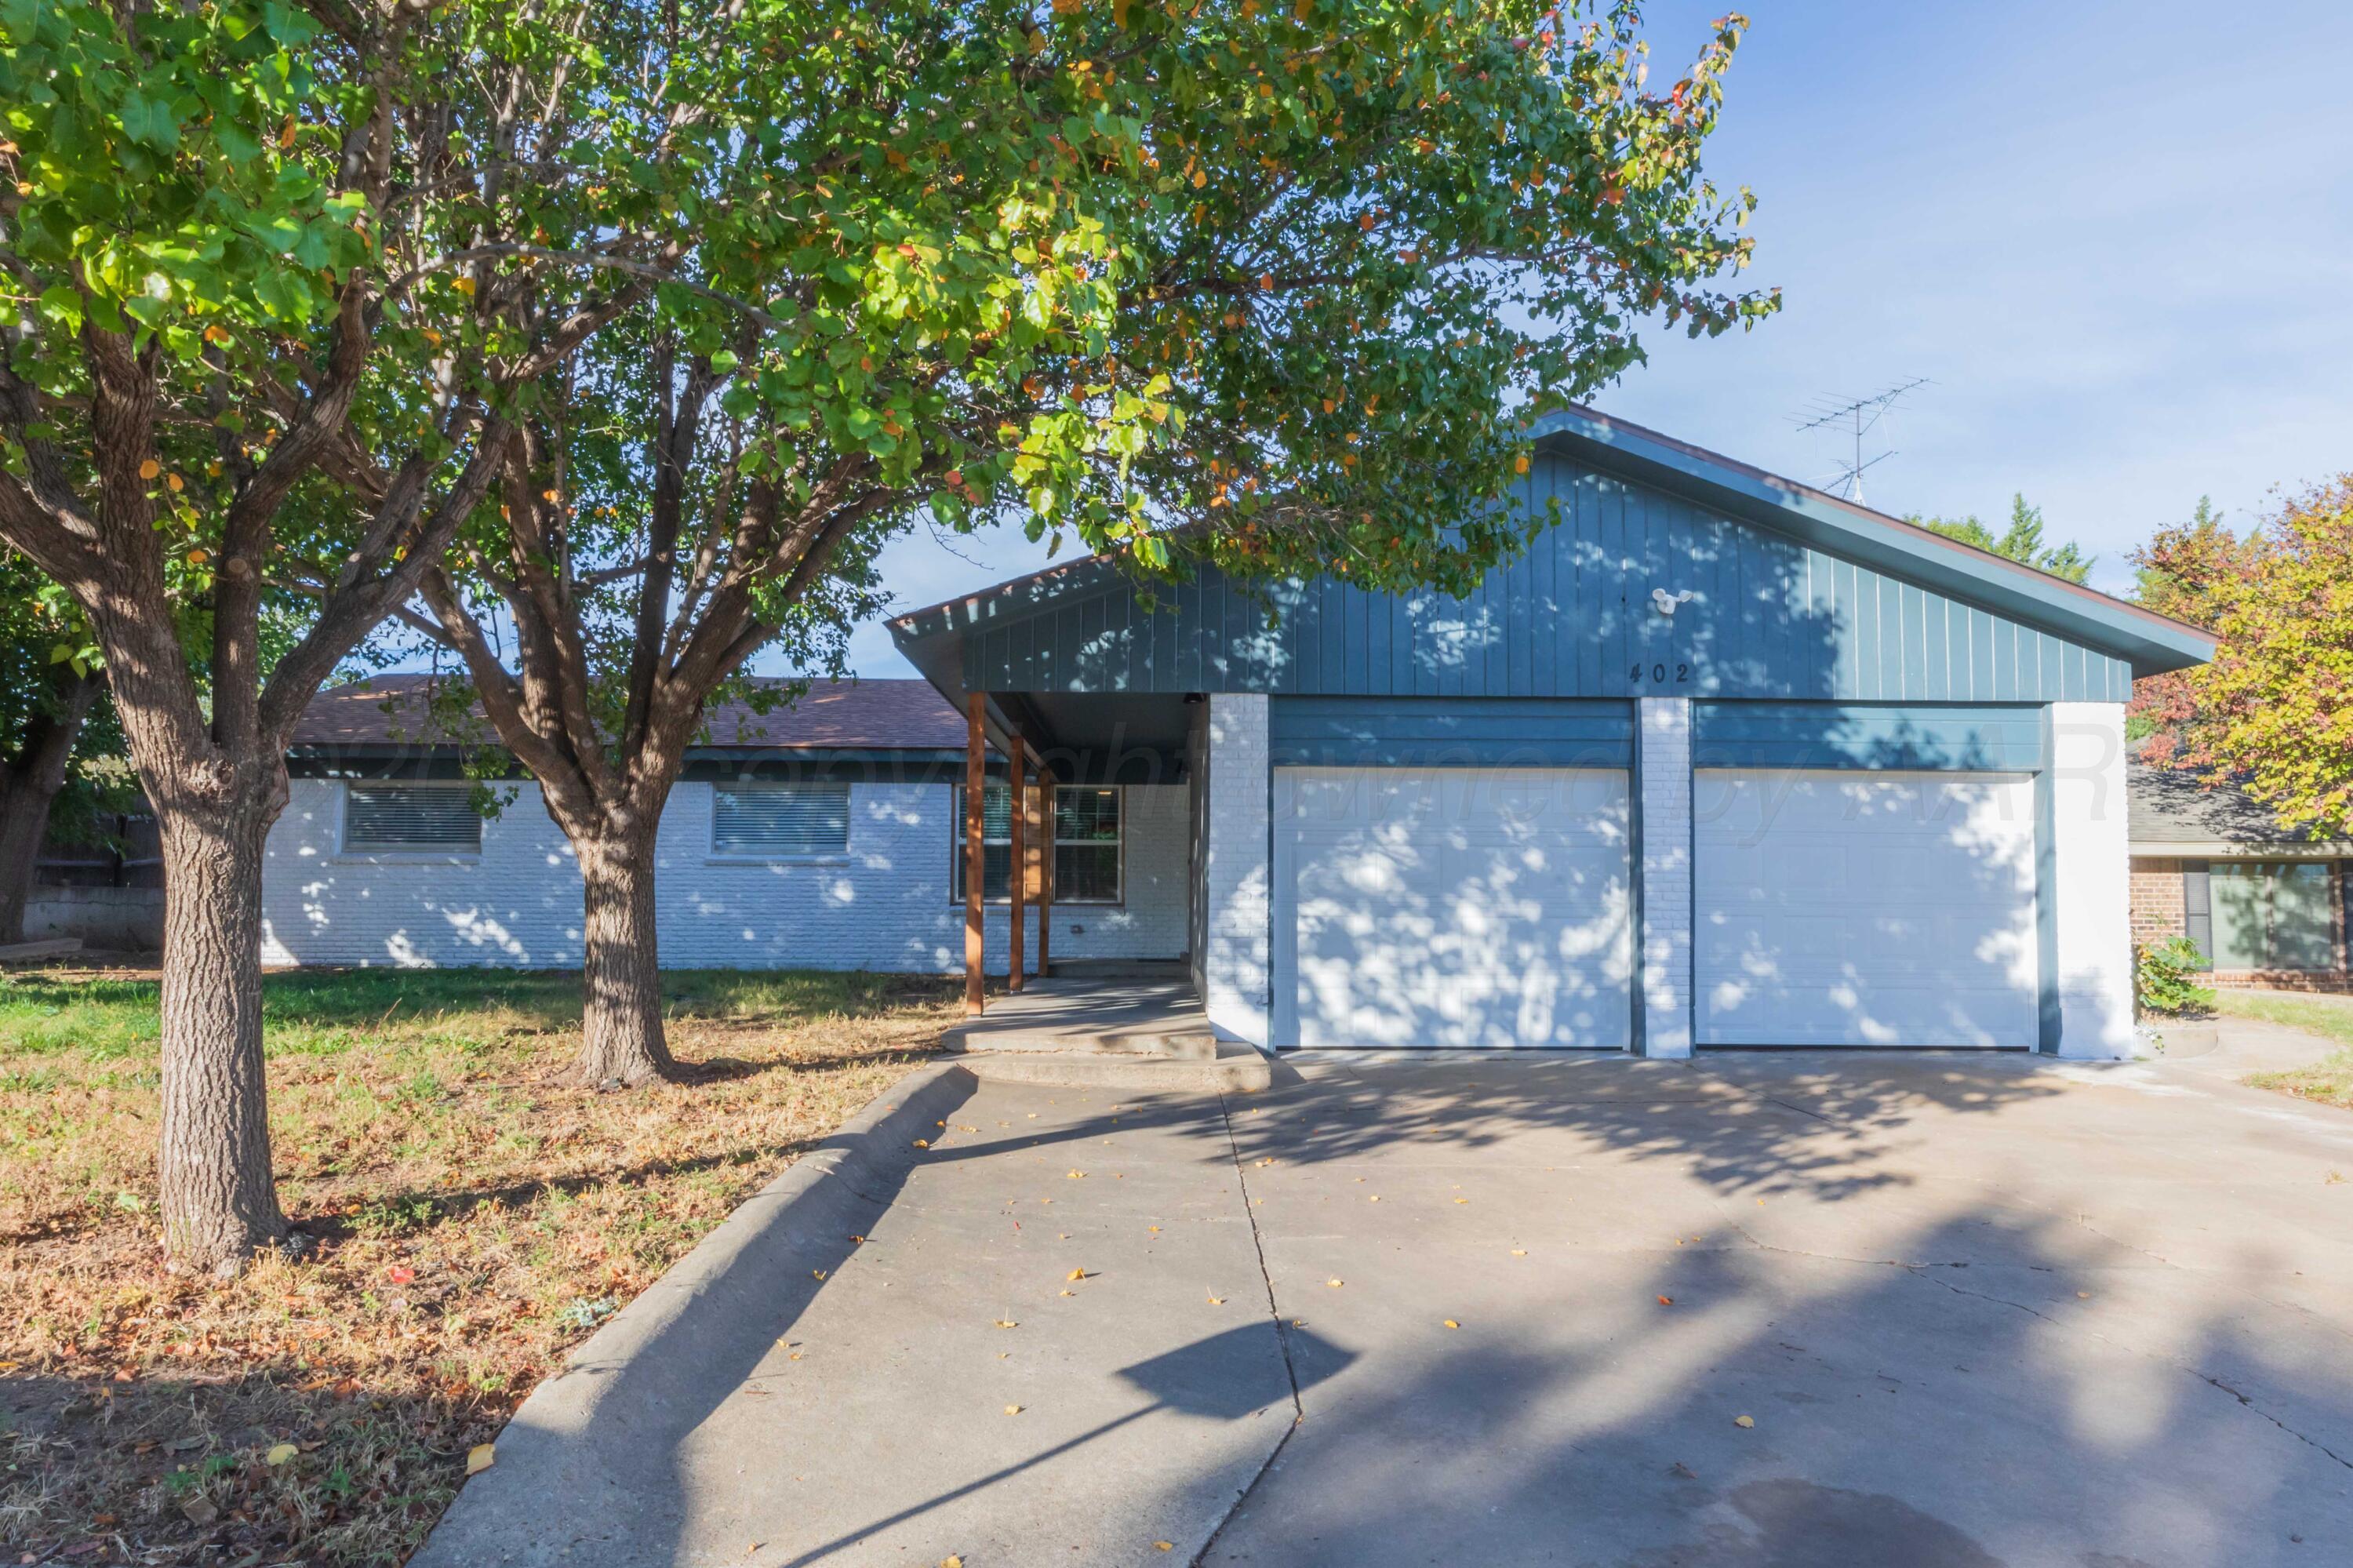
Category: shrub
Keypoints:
(2165, 978)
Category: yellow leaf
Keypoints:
(283, 1454)
(1519, 1252)
(1217, 1300)
(1332, 1283)
(951, 1562)
(1744, 1421)
(464, 286)
(1078, 1175)
(1012, 1410)
(1452, 1324)
(1006, 1323)
(1163, 1546)
(481, 1458)
(1520, 463)
(1078, 1274)
(923, 1143)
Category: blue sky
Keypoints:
(2118, 239)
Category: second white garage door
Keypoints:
(1865, 908)
(1463, 907)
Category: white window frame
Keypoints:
(956, 848)
(718, 856)
(438, 854)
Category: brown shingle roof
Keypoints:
(854, 714)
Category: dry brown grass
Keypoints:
(471, 1217)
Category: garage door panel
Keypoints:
(1862, 908)
(1456, 907)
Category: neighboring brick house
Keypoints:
(2265, 905)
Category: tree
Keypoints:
(1273, 288)
(2021, 541)
(47, 687)
(2274, 708)
(276, 286)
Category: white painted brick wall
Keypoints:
(1663, 734)
(1237, 881)
(884, 906)
(2092, 866)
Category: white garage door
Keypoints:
(1451, 907)
(1865, 908)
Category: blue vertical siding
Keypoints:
(1572, 617)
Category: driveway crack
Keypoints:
(1281, 1340)
(2204, 1377)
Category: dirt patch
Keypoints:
(466, 1217)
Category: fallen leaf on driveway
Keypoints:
(1744, 1421)
(923, 1143)
(1012, 1410)
(1078, 1274)
(1163, 1546)
(1666, 1300)
(1006, 1323)
(481, 1458)
(1452, 1324)
(1519, 1252)
(1332, 1283)
(1217, 1300)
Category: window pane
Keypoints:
(410, 817)
(1086, 874)
(2236, 892)
(1086, 815)
(2300, 936)
(766, 818)
(996, 875)
(995, 814)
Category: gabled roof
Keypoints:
(861, 714)
(2175, 811)
(1798, 596)
(2153, 643)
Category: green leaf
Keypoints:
(149, 121)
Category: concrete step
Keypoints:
(1118, 968)
(1233, 1069)
(1185, 1045)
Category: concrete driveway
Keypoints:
(1766, 1310)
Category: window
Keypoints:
(775, 821)
(411, 819)
(1087, 844)
(2271, 915)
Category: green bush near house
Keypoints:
(2165, 978)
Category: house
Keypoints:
(817, 835)
(2264, 903)
(1721, 760)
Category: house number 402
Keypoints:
(1657, 674)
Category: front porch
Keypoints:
(1138, 1012)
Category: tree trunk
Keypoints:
(27, 789)
(23, 822)
(621, 1017)
(218, 1200)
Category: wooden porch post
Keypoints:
(975, 859)
(1017, 870)
(1045, 853)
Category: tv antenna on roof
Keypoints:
(1855, 418)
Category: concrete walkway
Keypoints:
(1976, 1312)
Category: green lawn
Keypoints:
(474, 1216)
(2329, 1080)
